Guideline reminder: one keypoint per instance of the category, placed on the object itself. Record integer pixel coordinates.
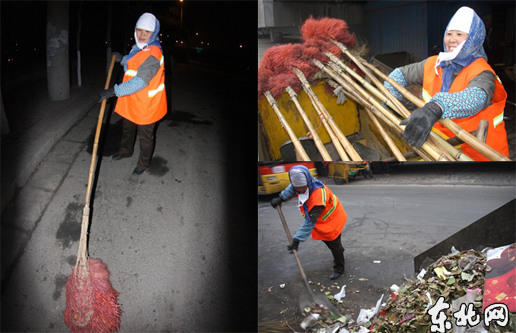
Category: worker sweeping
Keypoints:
(458, 84)
(141, 96)
(324, 215)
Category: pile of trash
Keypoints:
(449, 279)
(446, 295)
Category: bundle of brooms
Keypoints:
(91, 301)
(291, 68)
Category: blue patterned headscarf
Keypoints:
(471, 50)
(312, 183)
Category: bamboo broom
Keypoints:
(395, 150)
(443, 146)
(318, 143)
(426, 146)
(461, 133)
(393, 99)
(295, 141)
(342, 138)
(91, 301)
(458, 155)
(353, 94)
(360, 99)
(340, 150)
(360, 79)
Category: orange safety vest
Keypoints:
(496, 134)
(333, 217)
(148, 105)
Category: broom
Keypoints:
(91, 301)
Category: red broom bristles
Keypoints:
(275, 70)
(91, 301)
(328, 28)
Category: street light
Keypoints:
(181, 2)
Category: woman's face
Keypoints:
(453, 38)
(300, 190)
(143, 35)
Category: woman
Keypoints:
(324, 215)
(141, 96)
(457, 84)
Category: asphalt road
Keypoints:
(167, 236)
(387, 226)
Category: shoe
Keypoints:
(117, 157)
(137, 171)
(335, 275)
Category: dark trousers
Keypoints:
(337, 250)
(146, 134)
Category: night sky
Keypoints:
(225, 30)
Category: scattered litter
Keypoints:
(429, 299)
(331, 329)
(467, 262)
(441, 272)
(467, 277)
(282, 285)
(406, 309)
(407, 318)
(363, 330)
(310, 321)
(395, 288)
(341, 294)
(363, 279)
(377, 261)
(421, 274)
(366, 315)
(270, 289)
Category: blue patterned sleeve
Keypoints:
(397, 76)
(287, 193)
(305, 230)
(462, 104)
(129, 87)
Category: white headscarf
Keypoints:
(147, 22)
(297, 178)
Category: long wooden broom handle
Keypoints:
(393, 119)
(445, 148)
(295, 141)
(461, 133)
(354, 94)
(83, 251)
(400, 107)
(342, 138)
(322, 117)
(289, 237)
(318, 143)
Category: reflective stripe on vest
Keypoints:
(426, 96)
(498, 120)
(153, 92)
(332, 208)
(131, 72)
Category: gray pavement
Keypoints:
(390, 221)
(167, 236)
